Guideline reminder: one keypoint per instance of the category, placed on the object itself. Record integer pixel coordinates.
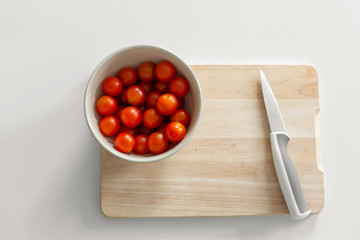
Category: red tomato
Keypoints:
(166, 104)
(181, 116)
(135, 95)
(144, 130)
(141, 144)
(164, 71)
(152, 118)
(118, 111)
(147, 86)
(179, 87)
(106, 105)
(112, 86)
(122, 98)
(109, 125)
(157, 143)
(162, 127)
(125, 129)
(127, 76)
(124, 142)
(151, 99)
(146, 71)
(131, 116)
(181, 102)
(175, 131)
(161, 87)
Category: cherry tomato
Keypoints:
(146, 71)
(164, 71)
(162, 127)
(124, 142)
(130, 116)
(181, 102)
(141, 144)
(181, 116)
(151, 99)
(157, 143)
(118, 111)
(106, 105)
(175, 131)
(152, 118)
(112, 86)
(125, 129)
(135, 95)
(179, 87)
(147, 86)
(161, 87)
(144, 130)
(127, 76)
(122, 98)
(109, 125)
(166, 104)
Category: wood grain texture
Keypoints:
(227, 168)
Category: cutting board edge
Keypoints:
(311, 68)
(252, 66)
(112, 215)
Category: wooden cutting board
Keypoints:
(227, 167)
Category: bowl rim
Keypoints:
(125, 156)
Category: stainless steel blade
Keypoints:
(272, 109)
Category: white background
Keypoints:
(49, 173)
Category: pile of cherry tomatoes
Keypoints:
(144, 108)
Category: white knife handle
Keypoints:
(288, 177)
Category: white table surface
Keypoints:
(49, 174)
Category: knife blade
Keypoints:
(285, 170)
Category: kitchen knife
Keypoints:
(285, 169)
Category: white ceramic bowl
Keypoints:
(132, 57)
